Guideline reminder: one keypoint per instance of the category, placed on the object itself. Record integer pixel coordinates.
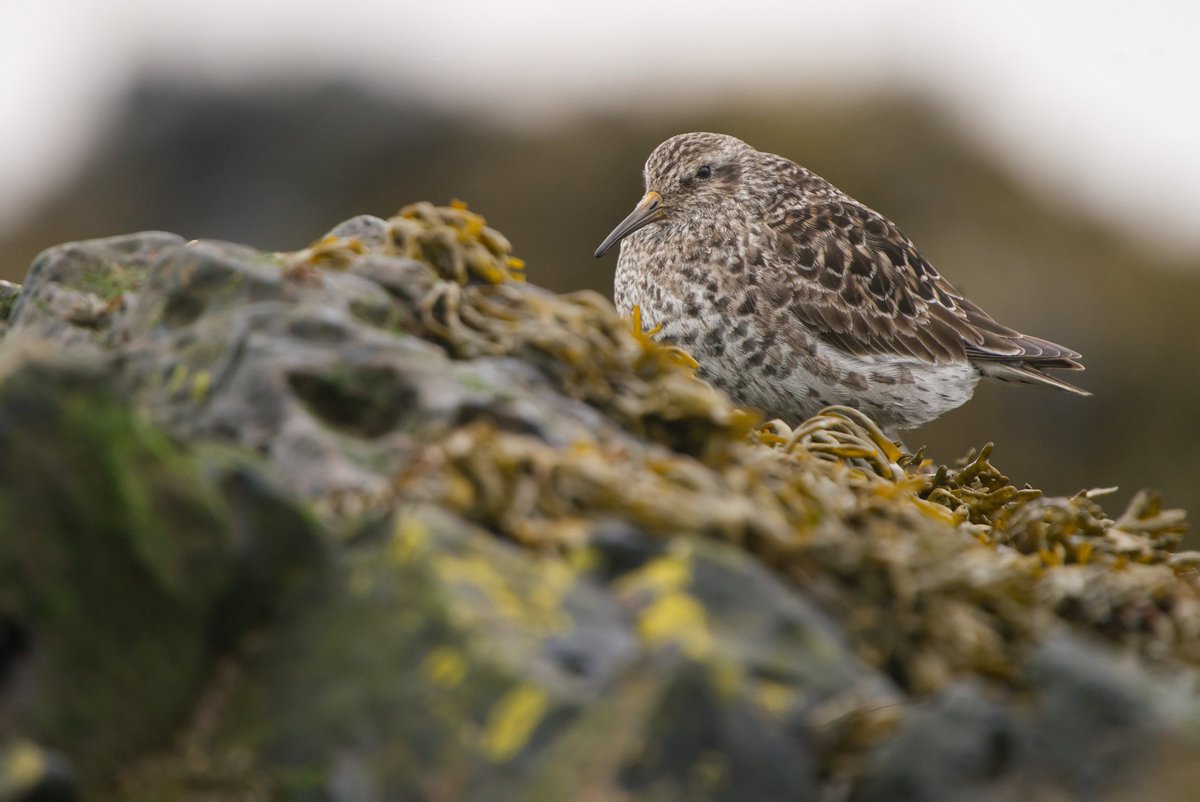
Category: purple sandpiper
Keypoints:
(793, 296)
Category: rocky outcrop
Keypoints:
(379, 520)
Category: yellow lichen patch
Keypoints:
(537, 606)
(201, 383)
(676, 618)
(584, 560)
(774, 698)
(179, 376)
(409, 540)
(477, 572)
(669, 573)
(446, 668)
(546, 596)
(512, 722)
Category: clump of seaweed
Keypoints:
(457, 242)
(454, 241)
(839, 434)
(1123, 578)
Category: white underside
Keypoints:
(898, 393)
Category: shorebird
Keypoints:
(793, 296)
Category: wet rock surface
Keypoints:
(379, 520)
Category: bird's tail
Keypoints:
(1027, 373)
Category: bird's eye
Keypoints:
(704, 172)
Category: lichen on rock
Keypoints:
(469, 539)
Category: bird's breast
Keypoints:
(680, 274)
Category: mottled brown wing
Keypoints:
(865, 288)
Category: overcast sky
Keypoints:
(1095, 101)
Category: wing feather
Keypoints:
(866, 289)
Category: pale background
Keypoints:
(1096, 102)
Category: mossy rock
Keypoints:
(118, 550)
(550, 561)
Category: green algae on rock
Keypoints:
(116, 550)
(522, 552)
(9, 293)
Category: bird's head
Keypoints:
(685, 175)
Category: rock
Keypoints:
(378, 520)
(116, 550)
(75, 293)
(965, 738)
(86, 496)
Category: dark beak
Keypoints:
(646, 212)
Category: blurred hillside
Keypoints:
(270, 166)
